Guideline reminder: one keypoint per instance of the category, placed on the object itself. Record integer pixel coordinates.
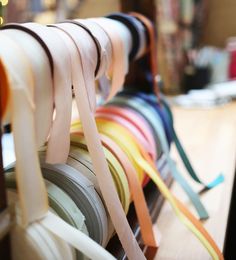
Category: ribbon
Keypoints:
(157, 125)
(31, 188)
(80, 72)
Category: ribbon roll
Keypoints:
(135, 187)
(119, 53)
(156, 123)
(81, 76)
(43, 89)
(59, 139)
(32, 192)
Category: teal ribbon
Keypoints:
(219, 179)
(152, 117)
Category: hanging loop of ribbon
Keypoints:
(152, 50)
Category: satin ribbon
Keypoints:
(165, 112)
(144, 112)
(136, 192)
(32, 192)
(156, 122)
(143, 160)
(151, 100)
(81, 76)
(131, 129)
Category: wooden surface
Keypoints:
(209, 137)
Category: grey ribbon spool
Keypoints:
(61, 204)
(81, 152)
(81, 155)
(80, 160)
(37, 243)
(142, 110)
(83, 193)
(163, 167)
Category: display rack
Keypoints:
(137, 77)
(154, 201)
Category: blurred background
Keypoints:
(196, 38)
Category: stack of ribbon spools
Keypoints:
(72, 185)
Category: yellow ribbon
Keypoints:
(133, 149)
(118, 174)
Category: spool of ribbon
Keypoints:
(154, 118)
(33, 205)
(81, 76)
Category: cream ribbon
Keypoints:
(21, 82)
(31, 188)
(59, 139)
(120, 52)
(106, 47)
(42, 79)
(78, 49)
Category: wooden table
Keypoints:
(209, 137)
